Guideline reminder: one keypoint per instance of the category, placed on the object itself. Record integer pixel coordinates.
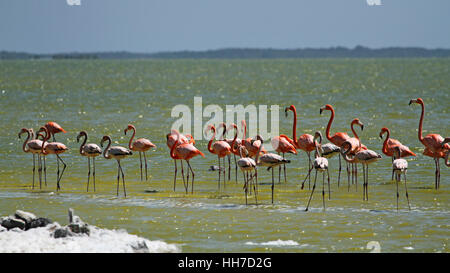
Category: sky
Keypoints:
(147, 26)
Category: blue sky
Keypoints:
(49, 26)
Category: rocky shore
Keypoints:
(25, 232)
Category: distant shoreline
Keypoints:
(246, 53)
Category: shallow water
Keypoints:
(102, 97)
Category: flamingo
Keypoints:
(434, 144)
(337, 139)
(365, 157)
(220, 148)
(171, 139)
(305, 142)
(89, 150)
(389, 145)
(399, 166)
(269, 160)
(141, 145)
(55, 148)
(54, 128)
(320, 164)
(185, 151)
(246, 164)
(33, 146)
(356, 145)
(118, 153)
(330, 150)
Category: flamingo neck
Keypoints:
(130, 146)
(24, 147)
(329, 125)
(211, 141)
(106, 151)
(82, 145)
(259, 151)
(385, 142)
(421, 122)
(294, 127)
(46, 137)
(353, 131)
(234, 140)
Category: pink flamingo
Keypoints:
(118, 153)
(90, 150)
(434, 144)
(33, 146)
(54, 128)
(337, 139)
(389, 145)
(171, 139)
(141, 145)
(399, 166)
(220, 148)
(447, 163)
(55, 148)
(355, 146)
(184, 151)
(365, 157)
(305, 142)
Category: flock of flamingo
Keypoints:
(251, 154)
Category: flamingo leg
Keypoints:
(175, 176)
(396, 182)
(182, 174)
(140, 161)
(309, 173)
(219, 174)
(284, 171)
(406, 189)
(340, 167)
(364, 183)
(329, 190)
(118, 177)
(192, 183)
(123, 180)
(254, 186)
(39, 171)
(356, 177)
(229, 167)
(273, 185)
(93, 162)
(392, 161)
(367, 182)
(45, 171)
(89, 172)
(310, 196)
(246, 186)
(145, 161)
(348, 177)
(323, 189)
(236, 167)
(62, 173)
(439, 173)
(34, 167)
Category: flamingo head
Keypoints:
(82, 133)
(318, 135)
(383, 130)
(210, 127)
(104, 138)
(357, 121)
(326, 107)
(129, 127)
(292, 108)
(418, 101)
(23, 131)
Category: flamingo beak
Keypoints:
(362, 127)
(411, 101)
(321, 110)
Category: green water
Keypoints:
(102, 97)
